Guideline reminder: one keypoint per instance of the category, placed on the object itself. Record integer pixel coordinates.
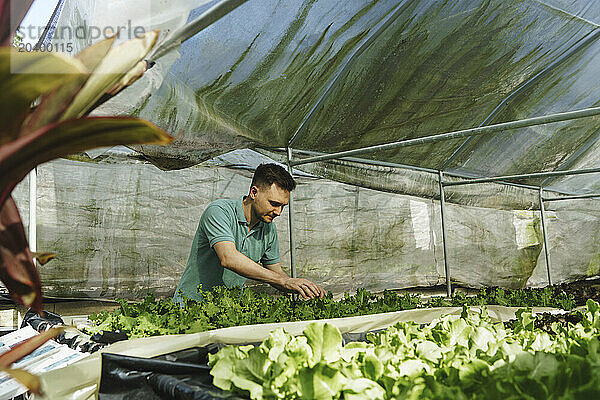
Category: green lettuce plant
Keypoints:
(466, 357)
(223, 307)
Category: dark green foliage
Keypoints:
(545, 297)
(224, 307)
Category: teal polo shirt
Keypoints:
(224, 220)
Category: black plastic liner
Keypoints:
(41, 323)
(182, 375)
(109, 337)
(74, 341)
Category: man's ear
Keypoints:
(253, 192)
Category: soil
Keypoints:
(544, 321)
(582, 290)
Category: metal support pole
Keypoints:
(522, 123)
(545, 235)
(569, 172)
(442, 207)
(500, 180)
(207, 18)
(582, 196)
(290, 218)
(33, 209)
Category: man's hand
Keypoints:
(306, 288)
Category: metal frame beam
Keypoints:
(290, 218)
(442, 184)
(429, 170)
(582, 196)
(378, 163)
(408, 167)
(346, 155)
(522, 176)
(207, 18)
(546, 119)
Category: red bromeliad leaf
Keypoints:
(11, 11)
(20, 156)
(6, 191)
(70, 89)
(29, 345)
(17, 271)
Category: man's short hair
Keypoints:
(267, 174)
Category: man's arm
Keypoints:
(276, 268)
(232, 259)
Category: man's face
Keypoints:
(269, 201)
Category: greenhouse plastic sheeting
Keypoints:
(331, 76)
(325, 75)
(80, 380)
(123, 229)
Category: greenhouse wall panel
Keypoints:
(123, 229)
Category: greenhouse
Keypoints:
(445, 156)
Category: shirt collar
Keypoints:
(239, 211)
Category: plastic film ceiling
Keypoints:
(337, 76)
(333, 76)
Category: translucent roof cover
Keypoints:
(329, 76)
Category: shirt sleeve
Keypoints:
(216, 224)
(271, 255)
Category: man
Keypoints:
(237, 239)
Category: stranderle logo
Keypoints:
(63, 37)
